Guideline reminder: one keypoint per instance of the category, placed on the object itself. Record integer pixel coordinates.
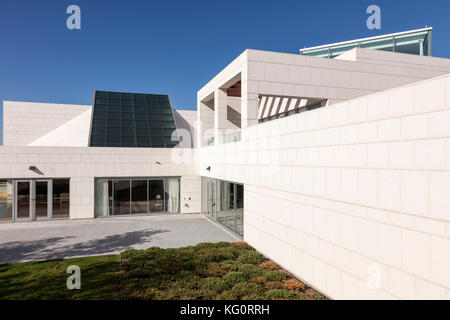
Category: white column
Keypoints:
(205, 123)
(249, 102)
(220, 115)
(249, 110)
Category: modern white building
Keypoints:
(333, 162)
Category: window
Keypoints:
(136, 196)
(223, 202)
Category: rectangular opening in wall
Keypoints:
(276, 107)
(223, 201)
(128, 196)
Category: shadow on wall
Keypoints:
(181, 123)
(53, 248)
(233, 116)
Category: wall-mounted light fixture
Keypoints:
(158, 163)
(209, 168)
(35, 169)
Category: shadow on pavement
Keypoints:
(54, 248)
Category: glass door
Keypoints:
(211, 196)
(156, 196)
(22, 202)
(41, 200)
(122, 204)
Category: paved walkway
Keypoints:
(58, 239)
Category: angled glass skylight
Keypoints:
(122, 119)
(416, 42)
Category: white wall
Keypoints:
(356, 188)
(187, 120)
(82, 165)
(73, 133)
(24, 122)
(372, 71)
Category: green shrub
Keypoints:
(194, 294)
(250, 270)
(280, 294)
(275, 275)
(215, 284)
(246, 290)
(231, 262)
(259, 279)
(227, 267)
(189, 282)
(208, 245)
(233, 277)
(225, 253)
(214, 269)
(226, 295)
(270, 285)
(250, 257)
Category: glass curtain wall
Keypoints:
(136, 196)
(223, 201)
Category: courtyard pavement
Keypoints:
(60, 239)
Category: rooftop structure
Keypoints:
(416, 42)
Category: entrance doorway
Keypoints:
(32, 200)
(23, 201)
(37, 199)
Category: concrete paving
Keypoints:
(59, 239)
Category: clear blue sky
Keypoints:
(175, 47)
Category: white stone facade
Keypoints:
(352, 197)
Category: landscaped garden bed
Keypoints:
(205, 271)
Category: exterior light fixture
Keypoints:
(35, 169)
(209, 168)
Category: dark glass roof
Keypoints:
(122, 119)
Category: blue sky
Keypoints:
(175, 47)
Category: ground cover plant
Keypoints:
(205, 271)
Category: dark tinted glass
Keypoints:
(99, 130)
(132, 120)
(114, 108)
